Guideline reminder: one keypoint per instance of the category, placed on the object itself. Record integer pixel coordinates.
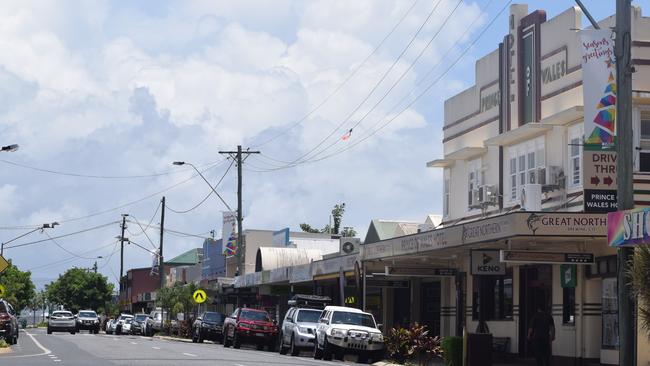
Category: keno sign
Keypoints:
(629, 227)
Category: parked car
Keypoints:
(61, 321)
(156, 321)
(208, 325)
(126, 326)
(247, 325)
(298, 329)
(141, 325)
(111, 325)
(8, 322)
(342, 330)
(87, 320)
(119, 326)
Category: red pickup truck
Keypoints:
(247, 325)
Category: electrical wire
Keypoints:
(144, 231)
(374, 88)
(81, 175)
(71, 258)
(146, 227)
(143, 247)
(172, 232)
(62, 236)
(64, 249)
(206, 197)
(343, 83)
(409, 105)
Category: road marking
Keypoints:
(45, 350)
(155, 347)
(132, 342)
(190, 354)
(57, 360)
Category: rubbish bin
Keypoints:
(479, 349)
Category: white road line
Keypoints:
(155, 347)
(45, 350)
(57, 360)
(132, 342)
(190, 354)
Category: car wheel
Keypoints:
(236, 342)
(377, 355)
(271, 345)
(281, 349)
(49, 331)
(15, 339)
(259, 346)
(339, 354)
(226, 341)
(294, 350)
(327, 351)
(72, 332)
(318, 353)
(363, 358)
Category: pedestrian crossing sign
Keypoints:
(199, 296)
(3, 264)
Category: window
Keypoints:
(445, 201)
(474, 180)
(575, 138)
(644, 142)
(568, 305)
(498, 296)
(524, 161)
(610, 313)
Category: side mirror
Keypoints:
(199, 319)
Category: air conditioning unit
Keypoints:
(349, 245)
(531, 197)
(487, 194)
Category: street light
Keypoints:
(206, 181)
(10, 148)
(43, 227)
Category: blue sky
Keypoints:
(116, 89)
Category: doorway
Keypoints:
(430, 306)
(535, 292)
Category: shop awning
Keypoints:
(525, 132)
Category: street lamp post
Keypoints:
(42, 227)
(10, 148)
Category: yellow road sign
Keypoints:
(3, 264)
(2, 291)
(199, 296)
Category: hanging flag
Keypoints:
(347, 135)
(229, 233)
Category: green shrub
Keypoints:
(3, 343)
(452, 350)
(413, 345)
(41, 325)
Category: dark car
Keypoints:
(250, 326)
(8, 322)
(141, 325)
(208, 325)
(88, 320)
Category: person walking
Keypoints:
(541, 333)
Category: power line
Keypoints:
(344, 82)
(206, 197)
(144, 231)
(146, 227)
(61, 236)
(170, 231)
(374, 88)
(81, 175)
(66, 250)
(70, 258)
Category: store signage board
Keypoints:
(568, 275)
(527, 256)
(387, 283)
(599, 180)
(437, 272)
(628, 228)
(487, 263)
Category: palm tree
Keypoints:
(639, 272)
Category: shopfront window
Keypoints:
(497, 291)
(569, 305)
(610, 313)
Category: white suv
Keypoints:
(342, 330)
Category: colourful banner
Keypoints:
(627, 228)
(599, 87)
(229, 233)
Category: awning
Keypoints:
(440, 163)
(466, 153)
(564, 117)
(525, 132)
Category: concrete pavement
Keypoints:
(37, 348)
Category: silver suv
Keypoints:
(298, 330)
(342, 330)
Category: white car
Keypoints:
(342, 330)
(121, 322)
(110, 326)
(61, 321)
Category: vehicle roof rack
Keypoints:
(309, 301)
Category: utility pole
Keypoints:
(624, 173)
(161, 263)
(122, 240)
(237, 155)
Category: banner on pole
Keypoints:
(599, 87)
(229, 233)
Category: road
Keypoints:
(36, 348)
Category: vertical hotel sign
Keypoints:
(599, 98)
(229, 233)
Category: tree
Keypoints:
(337, 218)
(79, 289)
(639, 273)
(19, 287)
(177, 299)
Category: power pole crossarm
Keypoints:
(237, 156)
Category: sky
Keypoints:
(103, 96)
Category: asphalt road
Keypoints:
(36, 348)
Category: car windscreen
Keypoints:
(308, 316)
(213, 317)
(254, 315)
(62, 314)
(141, 317)
(344, 317)
(87, 314)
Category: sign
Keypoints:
(199, 296)
(554, 67)
(568, 275)
(598, 87)
(529, 78)
(3, 291)
(372, 282)
(561, 224)
(486, 262)
(3, 264)
(438, 272)
(630, 227)
(527, 256)
(599, 180)
(229, 233)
